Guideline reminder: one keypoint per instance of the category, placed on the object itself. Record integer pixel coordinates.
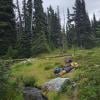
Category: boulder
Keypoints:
(33, 94)
(55, 84)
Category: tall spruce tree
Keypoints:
(59, 27)
(50, 16)
(57, 32)
(98, 36)
(39, 37)
(82, 24)
(19, 22)
(64, 40)
(98, 30)
(70, 30)
(54, 27)
(24, 43)
(94, 24)
(29, 18)
(7, 26)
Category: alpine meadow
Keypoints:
(49, 50)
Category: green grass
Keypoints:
(86, 76)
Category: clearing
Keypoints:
(87, 76)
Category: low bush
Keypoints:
(49, 66)
(29, 82)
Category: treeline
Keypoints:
(83, 33)
(34, 31)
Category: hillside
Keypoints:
(40, 69)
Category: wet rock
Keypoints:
(33, 94)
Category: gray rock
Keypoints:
(33, 94)
(55, 84)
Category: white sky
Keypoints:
(92, 6)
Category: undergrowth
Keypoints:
(87, 76)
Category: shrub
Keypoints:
(4, 77)
(28, 63)
(11, 53)
(48, 66)
(67, 88)
(29, 82)
(57, 97)
(89, 83)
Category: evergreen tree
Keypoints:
(98, 35)
(29, 18)
(82, 25)
(71, 36)
(94, 25)
(24, 15)
(50, 17)
(7, 26)
(59, 35)
(54, 28)
(57, 32)
(19, 21)
(24, 43)
(39, 37)
(98, 30)
(70, 30)
(24, 46)
(64, 40)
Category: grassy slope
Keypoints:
(42, 70)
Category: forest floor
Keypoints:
(87, 76)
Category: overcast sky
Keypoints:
(92, 6)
